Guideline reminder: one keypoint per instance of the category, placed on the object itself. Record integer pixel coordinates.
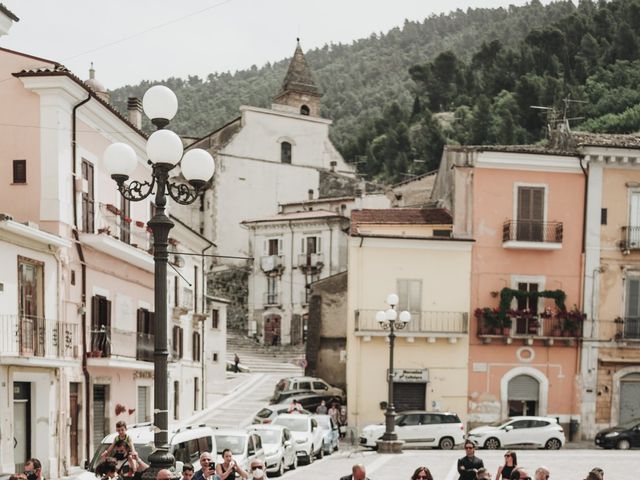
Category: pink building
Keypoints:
(55, 128)
(524, 207)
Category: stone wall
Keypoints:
(607, 394)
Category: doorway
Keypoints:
(523, 395)
(100, 419)
(21, 424)
(74, 414)
(272, 330)
(629, 397)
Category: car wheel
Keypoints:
(623, 444)
(280, 470)
(294, 464)
(328, 450)
(321, 452)
(312, 456)
(492, 443)
(337, 447)
(553, 444)
(446, 443)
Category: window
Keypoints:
(304, 386)
(31, 330)
(311, 245)
(408, 420)
(125, 221)
(530, 214)
(603, 216)
(304, 110)
(196, 392)
(215, 319)
(320, 386)
(100, 326)
(520, 424)
(410, 295)
(272, 290)
(177, 342)
(145, 337)
(19, 171)
(529, 324)
(195, 289)
(176, 291)
(285, 152)
(142, 413)
(176, 400)
(215, 357)
(195, 345)
(273, 246)
(632, 308)
(88, 200)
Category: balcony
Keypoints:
(422, 324)
(312, 262)
(35, 337)
(144, 347)
(566, 325)
(271, 299)
(272, 263)
(630, 239)
(532, 235)
(116, 348)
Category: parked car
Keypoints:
(305, 384)
(185, 444)
(268, 414)
(284, 397)
(307, 435)
(245, 446)
(279, 450)
(530, 431)
(330, 433)
(311, 401)
(623, 436)
(418, 428)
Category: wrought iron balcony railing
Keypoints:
(630, 238)
(271, 263)
(28, 336)
(423, 323)
(531, 325)
(532, 231)
(311, 261)
(271, 298)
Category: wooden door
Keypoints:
(74, 413)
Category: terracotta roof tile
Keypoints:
(606, 140)
(400, 216)
(309, 215)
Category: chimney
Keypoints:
(333, 165)
(310, 192)
(134, 107)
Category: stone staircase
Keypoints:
(254, 357)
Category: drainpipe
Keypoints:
(203, 384)
(83, 281)
(291, 291)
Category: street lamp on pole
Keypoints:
(390, 320)
(165, 151)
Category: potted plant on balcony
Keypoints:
(572, 320)
(489, 322)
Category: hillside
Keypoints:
(360, 81)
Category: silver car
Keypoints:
(279, 450)
(330, 432)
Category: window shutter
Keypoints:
(633, 295)
(415, 295)
(318, 244)
(523, 387)
(403, 295)
(140, 321)
(265, 247)
(537, 207)
(152, 321)
(524, 200)
(304, 245)
(634, 210)
(279, 246)
(108, 312)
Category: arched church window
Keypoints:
(285, 152)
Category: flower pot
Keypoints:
(506, 331)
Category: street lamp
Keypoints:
(390, 320)
(165, 151)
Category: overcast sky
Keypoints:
(134, 40)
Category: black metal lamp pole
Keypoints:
(390, 320)
(160, 225)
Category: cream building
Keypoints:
(412, 253)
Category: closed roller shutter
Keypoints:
(523, 387)
(409, 396)
(629, 397)
(99, 413)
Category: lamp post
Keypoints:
(164, 149)
(390, 320)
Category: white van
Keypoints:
(186, 444)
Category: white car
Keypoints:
(245, 446)
(279, 451)
(307, 436)
(330, 433)
(533, 431)
(417, 428)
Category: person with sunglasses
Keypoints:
(469, 465)
(519, 474)
(421, 473)
(510, 462)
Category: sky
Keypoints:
(133, 40)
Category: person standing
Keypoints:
(229, 469)
(187, 471)
(236, 363)
(322, 408)
(258, 470)
(542, 473)
(469, 465)
(206, 464)
(422, 473)
(510, 462)
(164, 474)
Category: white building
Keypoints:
(39, 350)
(291, 250)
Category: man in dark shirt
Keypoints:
(469, 465)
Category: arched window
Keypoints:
(304, 110)
(285, 152)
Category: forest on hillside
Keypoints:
(468, 77)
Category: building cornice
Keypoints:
(279, 113)
(119, 250)
(34, 234)
(527, 162)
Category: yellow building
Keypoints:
(410, 252)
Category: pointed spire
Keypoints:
(298, 77)
(92, 72)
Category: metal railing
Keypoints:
(133, 232)
(532, 326)
(113, 342)
(310, 261)
(270, 298)
(631, 328)
(269, 263)
(38, 337)
(144, 347)
(423, 322)
(630, 238)
(532, 231)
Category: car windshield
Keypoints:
(324, 422)
(269, 436)
(264, 413)
(235, 443)
(293, 424)
(282, 385)
(630, 423)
